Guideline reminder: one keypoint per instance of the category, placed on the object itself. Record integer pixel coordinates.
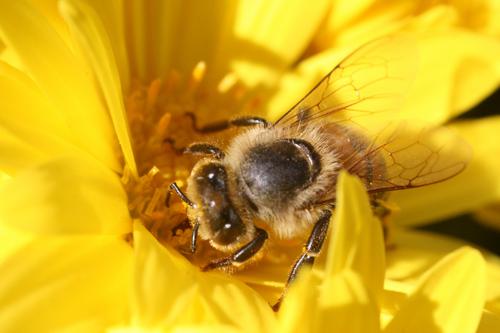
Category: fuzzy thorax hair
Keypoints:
(299, 214)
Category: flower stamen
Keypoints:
(159, 128)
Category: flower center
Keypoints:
(160, 127)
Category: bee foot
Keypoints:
(276, 306)
(217, 264)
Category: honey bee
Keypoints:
(285, 173)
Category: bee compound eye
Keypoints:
(228, 227)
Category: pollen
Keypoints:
(160, 128)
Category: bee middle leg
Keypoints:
(241, 255)
(312, 249)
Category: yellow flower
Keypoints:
(78, 79)
(345, 296)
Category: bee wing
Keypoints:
(356, 95)
(371, 80)
(408, 155)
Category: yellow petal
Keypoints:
(55, 283)
(67, 195)
(61, 76)
(178, 329)
(357, 241)
(83, 326)
(450, 297)
(88, 31)
(162, 36)
(344, 305)
(8, 56)
(12, 241)
(481, 16)
(412, 253)
(358, 22)
(347, 306)
(342, 12)
(214, 25)
(204, 329)
(299, 308)
(31, 130)
(271, 35)
(254, 38)
(477, 186)
(457, 70)
(136, 34)
(170, 291)
(112, 16)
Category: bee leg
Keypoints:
(216, 127)
(202, 148)
(181, 194)
(242, 254)
(225, 124)
(185, 223)
(382, 211)
(194, 237)
(199, 148)
(311, 250)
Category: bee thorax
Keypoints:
(274, 172)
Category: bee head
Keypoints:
(220, 221)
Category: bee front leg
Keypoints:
(218, 126)
(312, 249)
(198, 148)
(241, 255)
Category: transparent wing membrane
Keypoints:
(373, 79)
(410, 155)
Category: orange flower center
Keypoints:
(160, 128)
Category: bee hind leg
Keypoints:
(383, 210)
(311, 250)
(241, 255)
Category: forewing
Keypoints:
(408, 155)
(372, 80)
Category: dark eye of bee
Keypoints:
(222, 217)
(275, 171)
